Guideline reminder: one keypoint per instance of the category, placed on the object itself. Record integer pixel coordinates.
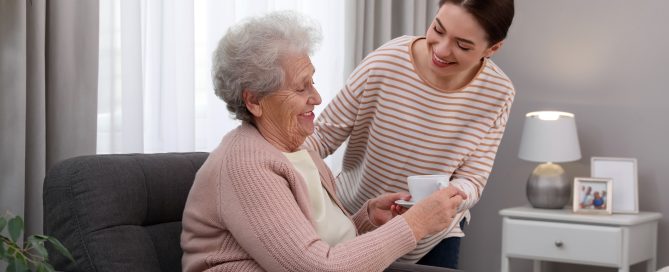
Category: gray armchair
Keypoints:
(119, 212)
(123, 212)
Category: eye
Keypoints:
(309, 85)
(464, 47)
(437, 30)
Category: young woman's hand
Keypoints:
(383, 208)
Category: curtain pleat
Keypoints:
(371, 23)
(48, 95)
(35, 163)
(12, 106)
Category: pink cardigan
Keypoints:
(248, 210)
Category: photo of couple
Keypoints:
(593, 198)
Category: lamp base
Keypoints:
(548, 187)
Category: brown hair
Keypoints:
(495, 16)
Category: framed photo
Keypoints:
(623, 171)
(593, 195)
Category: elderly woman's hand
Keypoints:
(435, 212)
(383, 208)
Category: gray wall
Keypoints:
(605, 61)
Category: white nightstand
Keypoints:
(617, 240)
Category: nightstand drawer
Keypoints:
(553, 241)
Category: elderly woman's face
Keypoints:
(287, 114)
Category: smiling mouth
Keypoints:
(307, 114)
(437, 60)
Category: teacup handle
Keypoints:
(443, 184)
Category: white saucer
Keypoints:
(404, 203)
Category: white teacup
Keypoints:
(422, 186)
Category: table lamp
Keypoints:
(549, 137)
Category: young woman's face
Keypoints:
(456, 42)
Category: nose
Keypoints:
(314, 97)
(443, 49)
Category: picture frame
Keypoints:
(593, 195)
(623, 171)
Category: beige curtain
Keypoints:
(48, 95)
(371, 23)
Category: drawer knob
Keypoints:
(558, 243)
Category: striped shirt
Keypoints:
(398, 125)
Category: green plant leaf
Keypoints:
(37, 244)
(3, 223)
(11, 252)
(38, 237)
(41, 237)
(61, 248)
(49, 267)
(15, 228)
(18, 265)
(45, 267)
(10, 265)
(42, 252)
(3, 252)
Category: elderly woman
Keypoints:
(259, 202)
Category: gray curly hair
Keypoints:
(248, 56)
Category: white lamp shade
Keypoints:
(549, 137)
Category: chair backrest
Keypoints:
(119, 212)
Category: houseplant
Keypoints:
(31, 254)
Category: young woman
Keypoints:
(424, 105)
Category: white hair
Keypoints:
(248, 56)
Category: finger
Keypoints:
(461, 193)
(405, 196)
(399, 195)
(449, 191)
(458, 199)
(401, 210)
(385, 200)
(452, 191)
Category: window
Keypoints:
(155, 90)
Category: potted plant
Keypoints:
(31, 254)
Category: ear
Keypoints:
(252, 103)
(493, 49)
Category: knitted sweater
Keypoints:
(248, 210)
(398, 124)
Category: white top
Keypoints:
(332, 225)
